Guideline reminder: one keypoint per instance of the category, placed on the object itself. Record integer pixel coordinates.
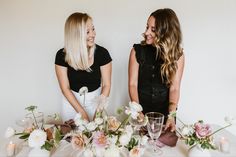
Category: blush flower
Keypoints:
(78, 141)
(99, 139)
(113, 123)
(135, 152)
(202, 130)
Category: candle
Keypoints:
(224, 145)
(11, 149)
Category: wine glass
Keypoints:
(154, 127)
(137, 125)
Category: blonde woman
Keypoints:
(156, 65)
(82, 63)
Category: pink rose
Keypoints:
(99, 139)
(202, 130)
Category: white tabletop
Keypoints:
(180, 150)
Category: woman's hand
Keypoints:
(170, 124)
(85, 116)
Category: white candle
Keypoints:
(11, 149)
(224, 145)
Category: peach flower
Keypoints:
(113, 123)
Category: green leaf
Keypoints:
(47, 145)
(31, 108)
(23, 135)
(57, 136)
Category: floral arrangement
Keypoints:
(106, 136)
(199, 133)
(36, 135)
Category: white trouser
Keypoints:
(68, 112)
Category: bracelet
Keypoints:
(172, 115)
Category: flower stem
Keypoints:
(124, 122)
(180, 121)
(220, 129)
(36, 123)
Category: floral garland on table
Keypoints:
(106, 136)
(199, 133)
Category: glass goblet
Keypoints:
(154, 127)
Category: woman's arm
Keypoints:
(133, 76)
(62, 77)
(106, 79)
(174, 92)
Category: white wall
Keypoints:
(31, 31)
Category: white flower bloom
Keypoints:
(143, 140)
(230, 120)
(98, 121)
(112, 140)
(88, 153)
(112, 151)
(91, 126)
(135, 106)
(83, 90)
(37, 138)
(124, 139)
(9, 132)
(79, 120)
(187, 130)
(133, 109)
(81, 128)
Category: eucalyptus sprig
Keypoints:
(31, 109)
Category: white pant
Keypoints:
(68, 112)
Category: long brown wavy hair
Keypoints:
(168, 42)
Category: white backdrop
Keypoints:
(31, 31)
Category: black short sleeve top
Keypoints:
(80, 78)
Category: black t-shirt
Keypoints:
(80, 78)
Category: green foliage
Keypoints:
(132, 143)
(23, 135)
(31, 108)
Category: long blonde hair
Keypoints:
(168, 42)
(75, 42)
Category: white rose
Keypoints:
(113, 151)
(9, 132)
(37, 138)
(91, 126)
(187, 130)
(98, 121)
(135, 106)
(124, 139)
(133, 109)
